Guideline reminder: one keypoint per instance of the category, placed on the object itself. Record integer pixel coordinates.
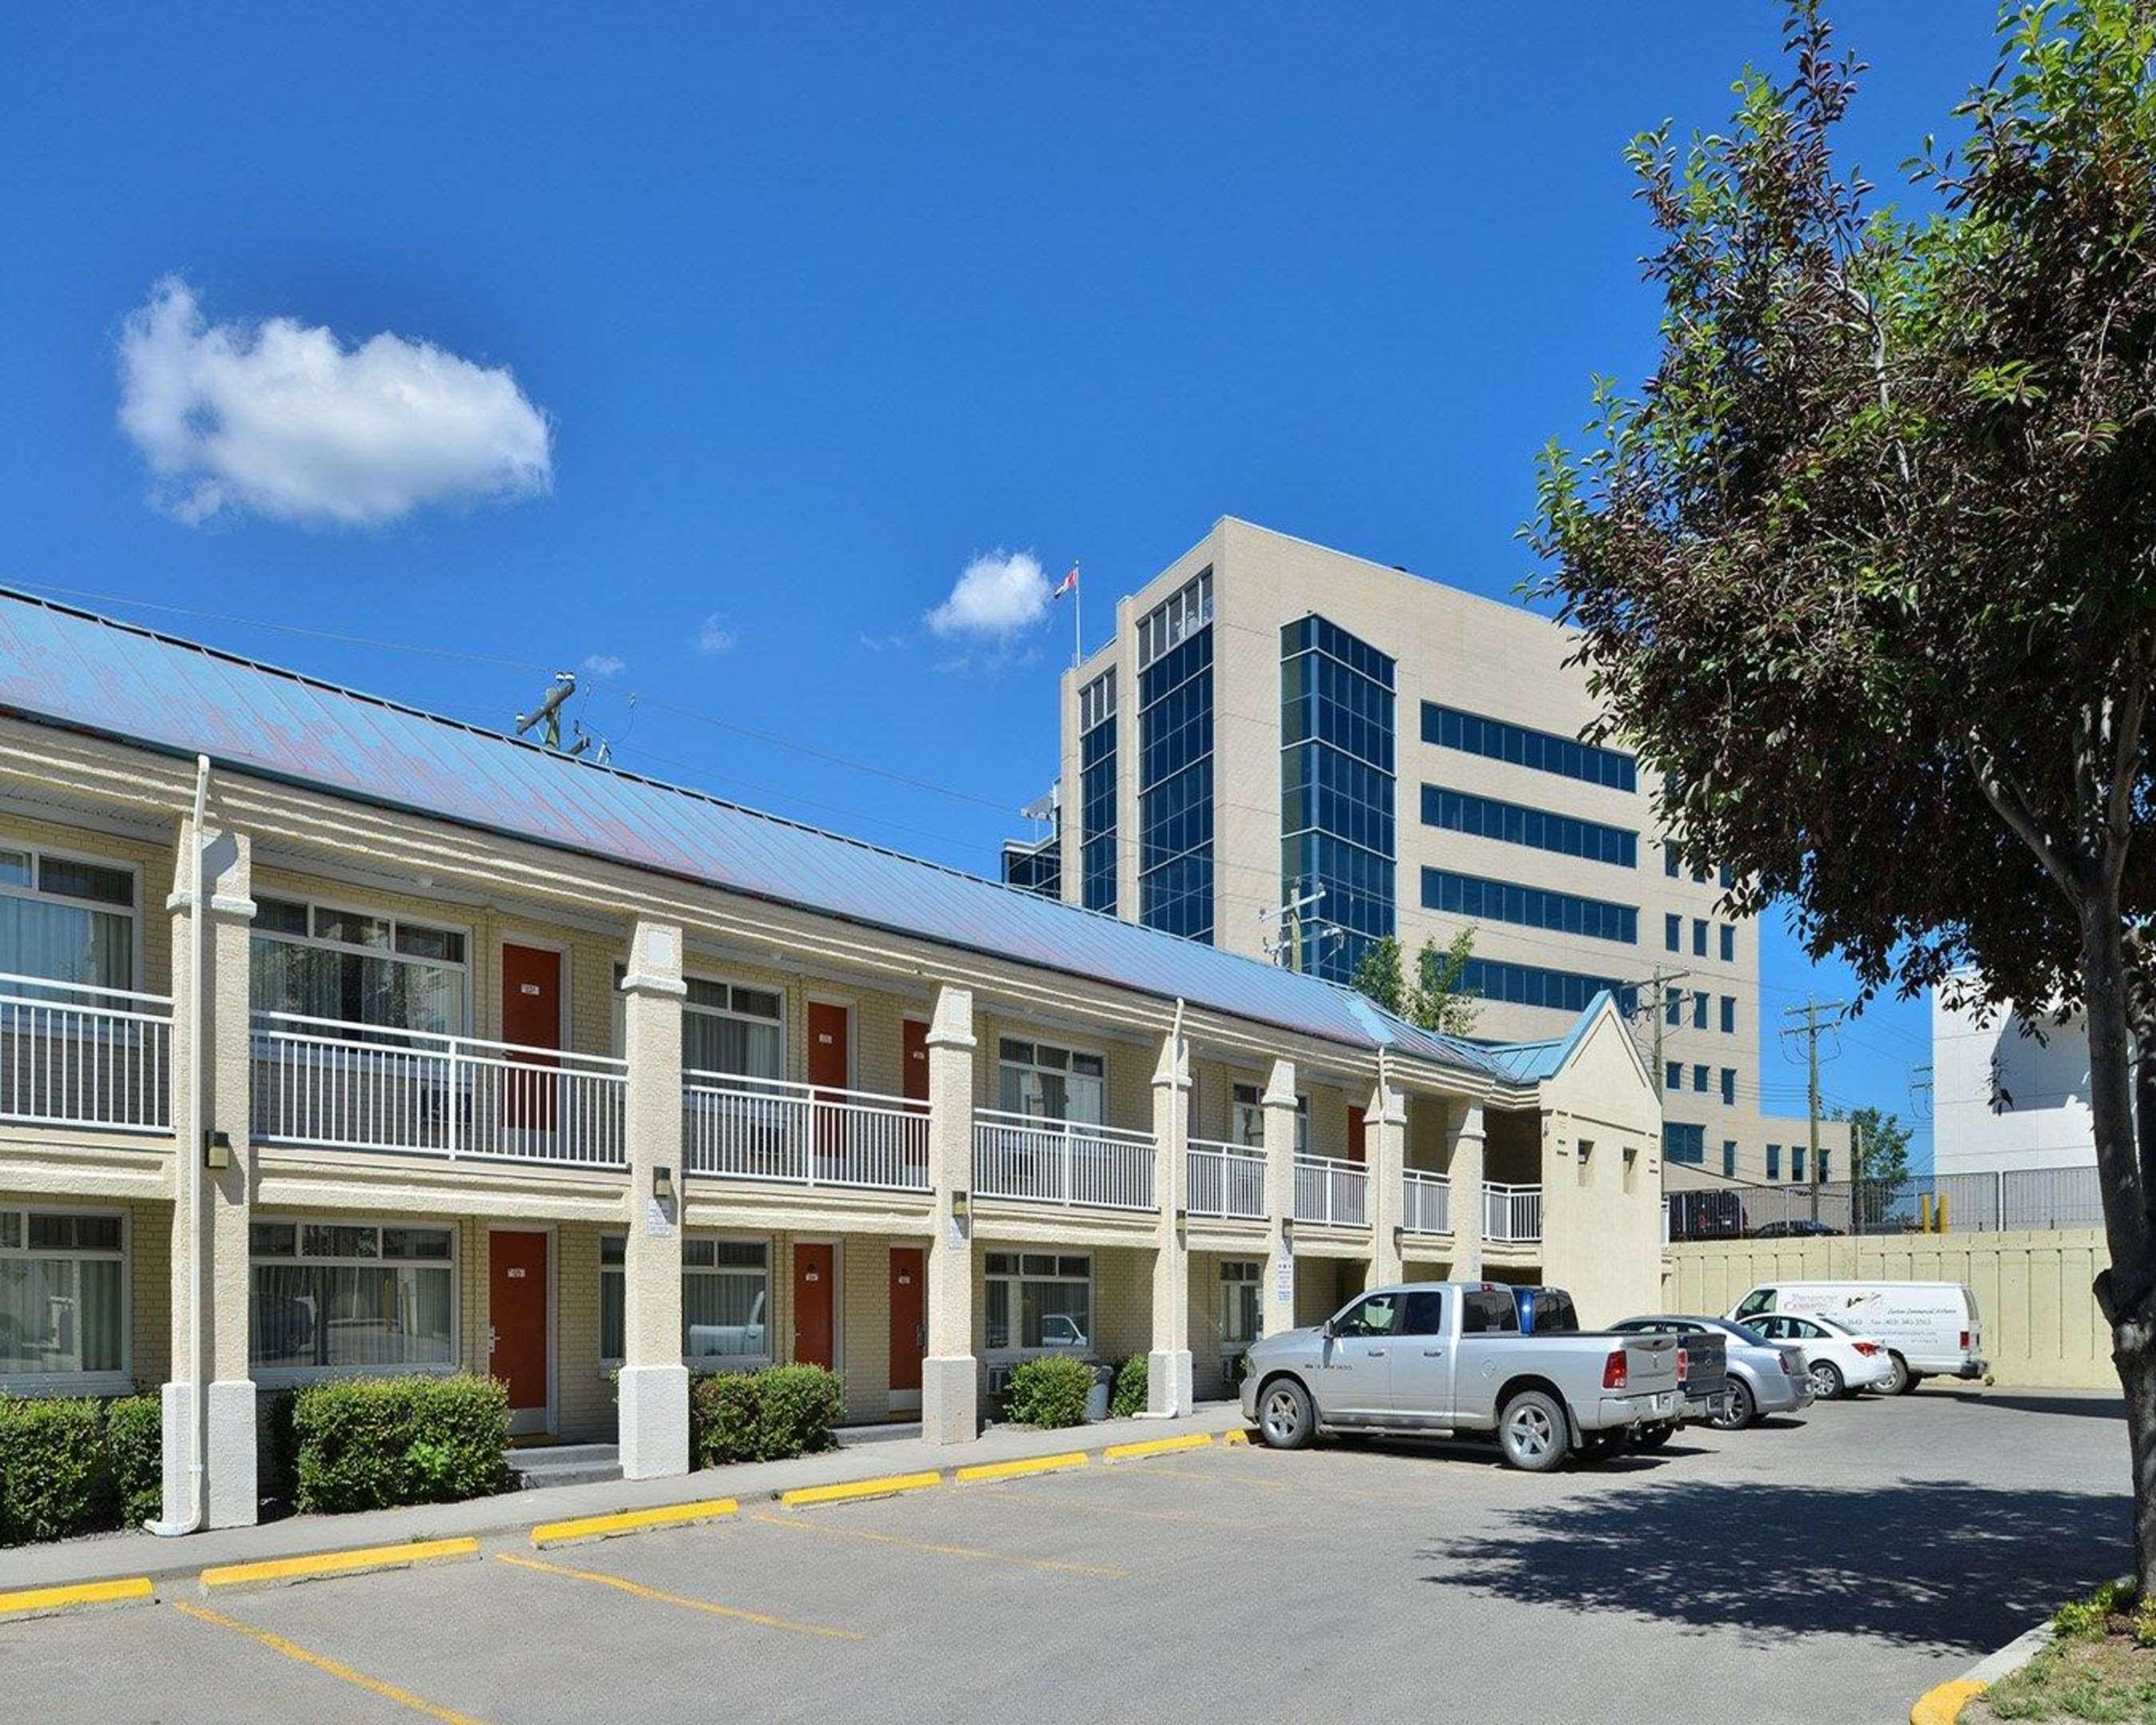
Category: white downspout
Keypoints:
(191, 1155)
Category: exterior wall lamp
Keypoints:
(957, 1206)
(662, 1184)
(217, 1148)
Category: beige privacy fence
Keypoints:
(2041, 1323)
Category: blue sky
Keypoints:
(807, 308)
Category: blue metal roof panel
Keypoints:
(1533, 1062)
(67, 667)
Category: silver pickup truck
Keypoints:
(1447, 1359)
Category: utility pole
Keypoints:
(1290, 916)
(1658, 992)
(1814, 1023)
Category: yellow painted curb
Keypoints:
(1016, 1470)
(1237, 1436)
(889, 1485)
(1943, 1705)
(336, 1562)
(44, 1601)
(633, 1521)
(1158, 1446)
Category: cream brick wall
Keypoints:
(150, 1292)
(583, 1387)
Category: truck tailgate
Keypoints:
(1702, 1364)
(1651, 1364)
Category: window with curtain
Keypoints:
(727, 1027)
(1050, 1083)
(351, 1297)
(726, 1300)
(1039, 1302)
(63, 1297)
(67, 919)
(1248, 1126)
(355, 967)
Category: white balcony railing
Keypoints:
(742, 1128)
(1331, 1191)
(326, 1084)
(1511, 1212)
(1069, 1161)
(1226, 1180)
(1425, 1203)
(72, 1054)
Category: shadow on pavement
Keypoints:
(2085, 1407)
(1943, 1565)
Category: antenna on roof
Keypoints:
(548, 713)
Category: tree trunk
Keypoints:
(2127, 1290)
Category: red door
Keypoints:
(914, 1045)
(830, 1068)
(909, 1316)
(815, 1294)
(516, 1308)
(531, 1018)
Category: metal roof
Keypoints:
(1533, 1062)
(67, 667)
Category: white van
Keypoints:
(1930, 1327)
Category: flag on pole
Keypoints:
(1068, 584)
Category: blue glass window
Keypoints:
(1796, 1162)
(1728, 944)
(1698, 1011)
(1673, 1075)
(1672, 932)
(1729, 1014)
(1729, 1086)
(1513, 823)
(1530, 985)
(1097, 797)
(1699, 1078)
(1450, 727)
(1336, 786)
(1729, 1158)
(1773, 1162)
(1175, 788)
(1488, 901)
(1035, 868)
(1681, 1144)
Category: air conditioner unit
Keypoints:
(999, 1379)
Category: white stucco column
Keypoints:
(213, 1051)
(1385, 1151)
(950, 1380)
(1168, 1389)
(1463, 1173)
(1277, 1305)
(653, 1389)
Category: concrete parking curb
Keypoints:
(890, 1485)
(1942, 1704)
(321, 1565)
(633, 1521)
(51, 1601)
(982, 1472)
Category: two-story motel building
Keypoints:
(337, 1037)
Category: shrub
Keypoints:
(134, 1444)
(277, 1455)
(55, 1475)
(1049, 1392)
(769, 1415)
(1130, 1385)
(370, 1443)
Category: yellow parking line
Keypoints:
(343, 1673)
(1158, 1446)
(1019, 1470)
(1240, 1434)
(44, 1601)
(336, 1562)
(945, 1551)
(674, 1515)
(888, 1484)
(638, 1590)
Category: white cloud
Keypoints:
(605, 664)
(281, 420)
(713, 636)
(996, 596)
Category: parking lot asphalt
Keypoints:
(1823, 1568)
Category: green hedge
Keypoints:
(371, 1443)
(55, 1473)
(769, 1415)
(1049, 1392)
(1130, 1396)
(134, 1444)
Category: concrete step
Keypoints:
(565, 1464)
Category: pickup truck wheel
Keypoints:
(1899, 1381)
(1826, 1381)
(1286, 1418)
(1532, 1432)
(1739, 1407)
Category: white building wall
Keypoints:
(2004, 1100)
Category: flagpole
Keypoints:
(1077, 620)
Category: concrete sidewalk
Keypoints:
(104, 1556)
